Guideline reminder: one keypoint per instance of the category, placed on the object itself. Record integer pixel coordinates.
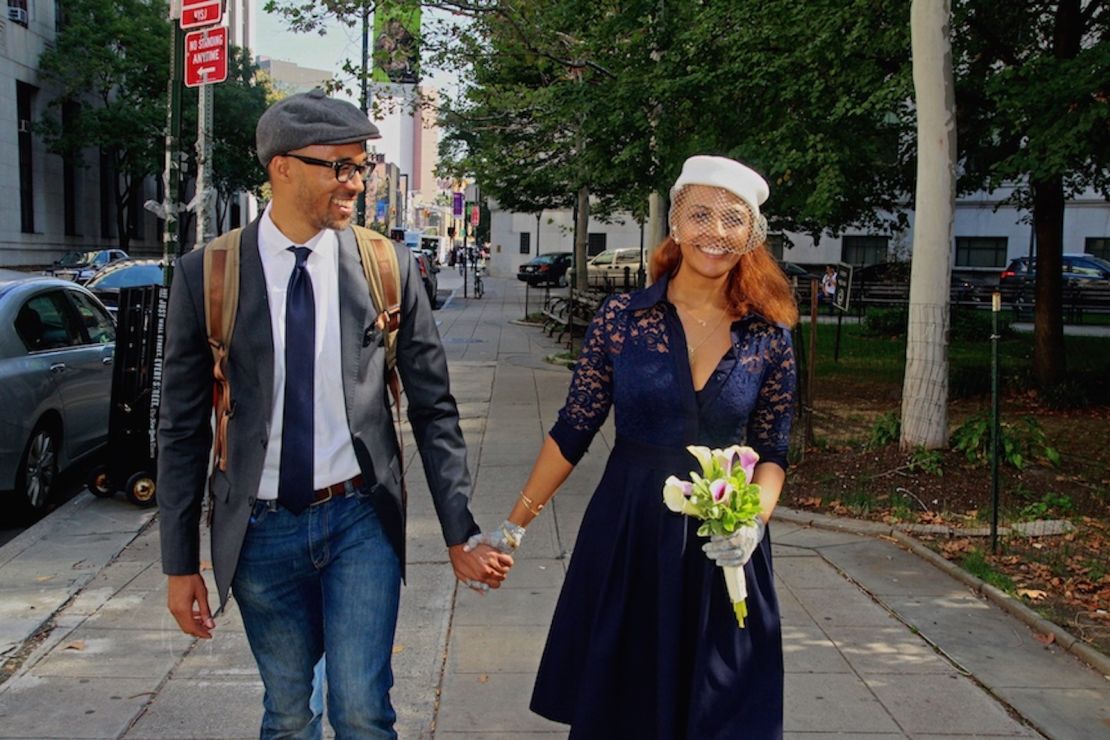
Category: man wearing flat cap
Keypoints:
(308, 515)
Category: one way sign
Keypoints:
(205, 56)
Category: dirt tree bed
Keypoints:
(1064, 576)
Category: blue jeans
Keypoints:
(325, 582)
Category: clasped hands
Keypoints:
(484, 560)
(495, 549)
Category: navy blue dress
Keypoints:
(644, 643)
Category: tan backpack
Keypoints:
(221, 299)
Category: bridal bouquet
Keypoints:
(724, 498)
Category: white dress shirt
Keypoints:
(334, 455)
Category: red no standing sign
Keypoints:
(205, 56)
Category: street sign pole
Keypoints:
(206, 208)
(171, 236)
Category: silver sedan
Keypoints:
(57, 344)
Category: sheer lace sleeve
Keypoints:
(591, 386)
(769, 424)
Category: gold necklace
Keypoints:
(692, 348)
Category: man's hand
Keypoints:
(480, 568)
(188, 602)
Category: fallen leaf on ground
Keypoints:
(1032, 594)
(1046, 639)
(483, 678)
(398, 649)
(75, 645)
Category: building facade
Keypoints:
(49, 204)
(987, 236)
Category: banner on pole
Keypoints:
(396, 42)
(457, 205)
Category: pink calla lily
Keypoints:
(720, 490)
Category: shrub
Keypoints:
(886, 322)
(927, 461)
(969, 325)
(1019, 443)
(886, 430)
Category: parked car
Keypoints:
(608, 268)
(547, 269)
(1018, 281)
(881, 276)
(80, 266)
(109, 281)
(429, 274)
(57, 344)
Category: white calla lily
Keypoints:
(704, 456)
(676, 495)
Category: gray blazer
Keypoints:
(184, 425)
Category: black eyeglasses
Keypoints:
(344, 171)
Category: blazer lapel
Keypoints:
(253, 332)
(356, 315)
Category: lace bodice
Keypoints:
(633, 360)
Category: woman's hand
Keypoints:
(736, 549)
(505, 538)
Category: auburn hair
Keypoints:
(756, 283)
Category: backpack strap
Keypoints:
(221, 302)
(383, 275)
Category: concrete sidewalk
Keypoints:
(878, 642)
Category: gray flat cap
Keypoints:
(309, 118)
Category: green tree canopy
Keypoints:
(112, 58)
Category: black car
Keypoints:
(1018, 281)
(547, 269)
(881, 277)
(80, 266)
(108, 281)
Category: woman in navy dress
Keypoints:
(644, 643)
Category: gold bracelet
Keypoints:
(530, 505)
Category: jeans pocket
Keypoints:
(261, 510)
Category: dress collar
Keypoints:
(657, 293)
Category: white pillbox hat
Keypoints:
(725, 173)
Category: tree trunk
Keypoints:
(581, 237)
(1049, 364)
(925, 387)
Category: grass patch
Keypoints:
(869, 359)
(976, 563)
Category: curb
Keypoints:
(1064, 639)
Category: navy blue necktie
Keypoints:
(297, 436)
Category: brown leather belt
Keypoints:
(336, 489)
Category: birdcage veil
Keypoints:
(723, 212)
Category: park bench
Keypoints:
(569, 315)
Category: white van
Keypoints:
(607, 269)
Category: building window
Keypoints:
(70, 111)
(860, 249)
(135, 208)
(107, 196)
(24, 95)
(525, 243)
(595, 244)
(775, 244)
(1098, 246)
(980, 251)
(235, 219)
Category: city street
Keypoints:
(879, 643)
